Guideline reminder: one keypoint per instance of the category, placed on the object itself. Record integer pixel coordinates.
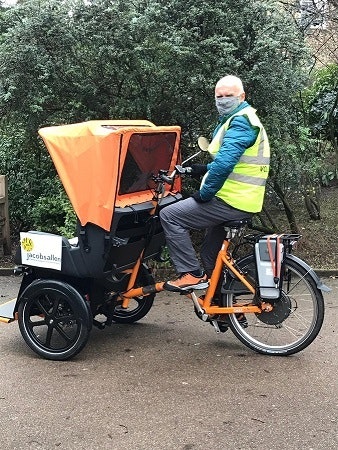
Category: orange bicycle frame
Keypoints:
(223, 258)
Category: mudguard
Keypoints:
(81, 308)
(311, 272)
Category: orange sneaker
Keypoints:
(187, 281)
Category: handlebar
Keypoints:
(179, 170)
(163, 176)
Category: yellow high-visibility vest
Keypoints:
(245, 186)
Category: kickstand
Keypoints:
(215, 325)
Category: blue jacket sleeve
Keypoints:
(239, 136)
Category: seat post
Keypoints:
(230, 233)
(234, 227)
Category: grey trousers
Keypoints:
(179, 218)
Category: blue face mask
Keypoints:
(225, 105)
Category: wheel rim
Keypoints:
(293, 325)
(51, 323)
(135, 305)
(138, 307)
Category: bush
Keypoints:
(54, 215)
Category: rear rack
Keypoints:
(285, 237)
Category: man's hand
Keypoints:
(197, 197)
(198, 169)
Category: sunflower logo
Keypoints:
(27, 244)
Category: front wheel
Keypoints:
(138, 306)
(296, 317)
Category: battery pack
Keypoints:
(269, 266)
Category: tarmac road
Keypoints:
(169, 382)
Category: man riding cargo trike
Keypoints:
(118, 176)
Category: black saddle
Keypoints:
(238, 223)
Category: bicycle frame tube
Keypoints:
(139, 291)
(223, 258)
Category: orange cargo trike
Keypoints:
(118, 175)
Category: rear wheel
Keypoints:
(138, 306)
(296, 317)
(54, 319)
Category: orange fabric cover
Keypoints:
(89, 158)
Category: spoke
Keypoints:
(303, 320)
(310, 310)
(63, 333)
(296, 284)
(261, 325)
(41, 307)
(271, 330)
(302, 291)
(292, 331)
(49, 335)
(37, 324)
(56, 303)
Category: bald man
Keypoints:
(232, 187)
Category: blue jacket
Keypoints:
(239, 136)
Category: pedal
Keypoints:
(182, 291)
(99, 325)
(220, 327)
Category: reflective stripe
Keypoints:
(247, 179)
(261, 146)
(259, 160)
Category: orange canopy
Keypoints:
(103, 164)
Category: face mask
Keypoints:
(225, 105)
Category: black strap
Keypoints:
(84, 238)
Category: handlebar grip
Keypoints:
(167, 179)
(178, 170)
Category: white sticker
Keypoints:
(268, 271)
(41, 250)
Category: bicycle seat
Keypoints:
(238, 223)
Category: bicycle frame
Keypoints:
(224, 258)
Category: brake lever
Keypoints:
(183, 170)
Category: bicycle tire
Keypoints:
(54, 319)
(138, 306)
(295, 320)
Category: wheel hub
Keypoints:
(281, 309)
